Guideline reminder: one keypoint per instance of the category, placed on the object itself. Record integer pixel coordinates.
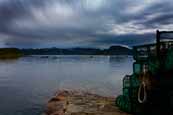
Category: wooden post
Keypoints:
(158, 43)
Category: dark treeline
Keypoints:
(12, 53)
(113, 50)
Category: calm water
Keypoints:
(28, 83)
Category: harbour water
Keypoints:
(28, 83)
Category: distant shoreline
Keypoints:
(113, 50)
(14, 53)
(10, 53)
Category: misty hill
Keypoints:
(10, 53)
(119, 50)
(113, 50)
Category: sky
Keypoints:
(82, 23)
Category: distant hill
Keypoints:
(13, 53)
(10, 53)
(119, 50)
(113, 50)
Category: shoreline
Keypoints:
(81, 103)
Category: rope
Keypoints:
(144, 99)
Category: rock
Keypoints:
(81, 103)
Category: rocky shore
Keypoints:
(81, 103)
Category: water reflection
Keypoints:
(26, 84)
(117, 60)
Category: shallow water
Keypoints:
(28, 83)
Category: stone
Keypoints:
(81, 103)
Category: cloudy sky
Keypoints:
(82, 23)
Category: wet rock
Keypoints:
(81, 103)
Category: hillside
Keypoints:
(113, 50)
(10, 53)
(119, 50)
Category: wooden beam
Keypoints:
(158, 43)
(162, 32)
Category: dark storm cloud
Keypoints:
(69, 23)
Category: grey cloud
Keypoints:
(36, 23)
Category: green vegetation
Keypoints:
(10, 53)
